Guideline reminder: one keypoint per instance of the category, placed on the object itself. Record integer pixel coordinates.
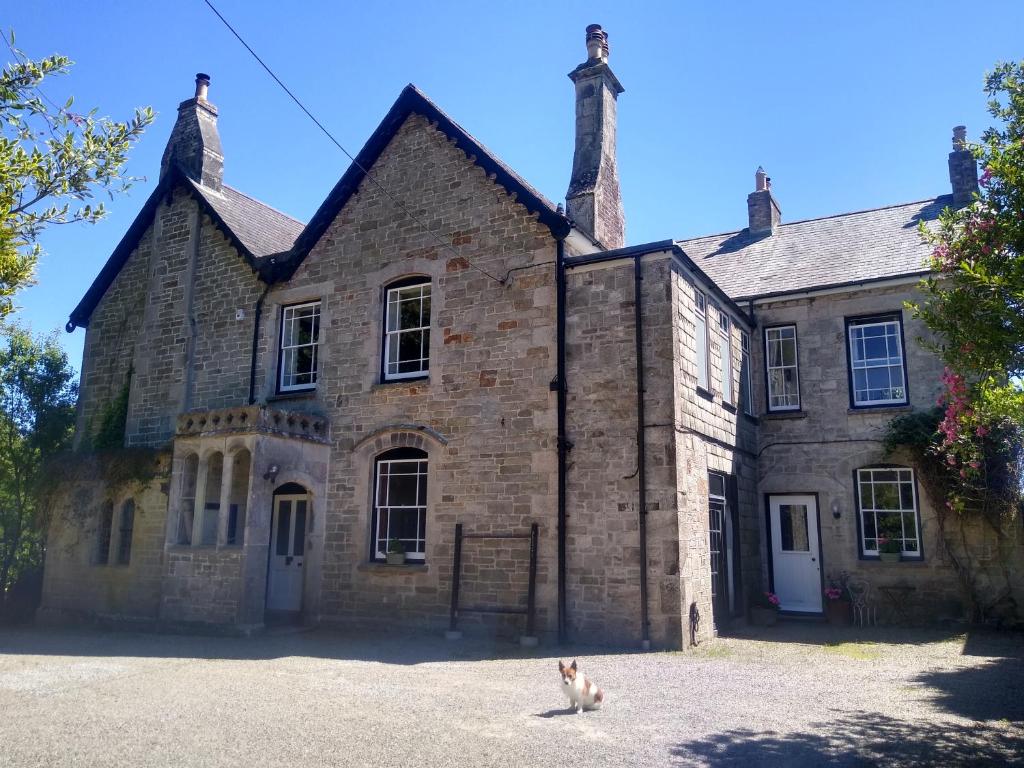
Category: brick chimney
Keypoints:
(763, 211)
(593, 201)
(194, 145)
(963, 169)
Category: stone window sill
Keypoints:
(706, 394)
(384, 568)
(419, 381)
(302, 394)
(780, 415)
(867, 410)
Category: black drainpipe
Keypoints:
(563, 442)
(255, 343)
(641, 458)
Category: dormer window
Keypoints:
(300, 339)
(407, 330)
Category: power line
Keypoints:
(348, 154)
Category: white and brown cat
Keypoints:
(582, 692)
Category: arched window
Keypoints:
(887, 511)
(124, 534)
(237, 501)
(406, 329)
(211, 498)
(187, 509)
(102, 556)
(400, 503)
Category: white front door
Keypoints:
(796, 565)
(287, 550)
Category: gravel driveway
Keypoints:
(793, 695)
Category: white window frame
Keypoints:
(380, 545)
(868, 364)
(867, 506)
(423, 288)
(288, 315)
(700, 323)
(725, 331)
(768, 368)
(745, 377)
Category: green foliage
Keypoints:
(114, 417)
(52, 161)
(395, 547)
(37, 411)
(974, 304)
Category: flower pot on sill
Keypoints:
(395, 558)
(763, 617)
(889, 557)
(838, 612)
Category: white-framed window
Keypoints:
(300, 340)
(887, 509)
(725, 330)
(877, 373)
(781, 368)
(746, 391)
(700, 336)
(407, 330)
(400, 502)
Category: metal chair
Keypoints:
(864, 610)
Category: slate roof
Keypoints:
(837, 250)
(263, 230)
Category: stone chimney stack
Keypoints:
(593, 201)
(963, 169)
(762, 209)
(194, 145)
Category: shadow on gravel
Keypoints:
(993, 690)
(860, 739)
(391, 648)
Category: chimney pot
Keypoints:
(959, 136)
(760, 180)
(202, 85)
(597, 43)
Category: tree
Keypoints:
(52, 162)
(974, 301)
(971, 448)
(37, 412)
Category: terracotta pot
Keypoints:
(839, 612)
(763, 617)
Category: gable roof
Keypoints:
(413, 101)
(849, 248)
(254, 229)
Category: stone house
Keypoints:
(685, 423)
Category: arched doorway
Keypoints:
(288, 529)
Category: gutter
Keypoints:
(641, 456)
(563, 443)
(257, 314)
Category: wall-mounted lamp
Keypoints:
(837, 511)
(271, 473)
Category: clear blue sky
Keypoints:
(847, 105)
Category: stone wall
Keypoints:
(75, 586)
(202, 585)
(686, 434)
(485, 415)
(818, 448)
(711, 434)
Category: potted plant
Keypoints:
(396, 552)
(764, 609)
(837, 600)
(889, 549)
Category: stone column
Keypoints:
(199, 510)
(226, 477)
